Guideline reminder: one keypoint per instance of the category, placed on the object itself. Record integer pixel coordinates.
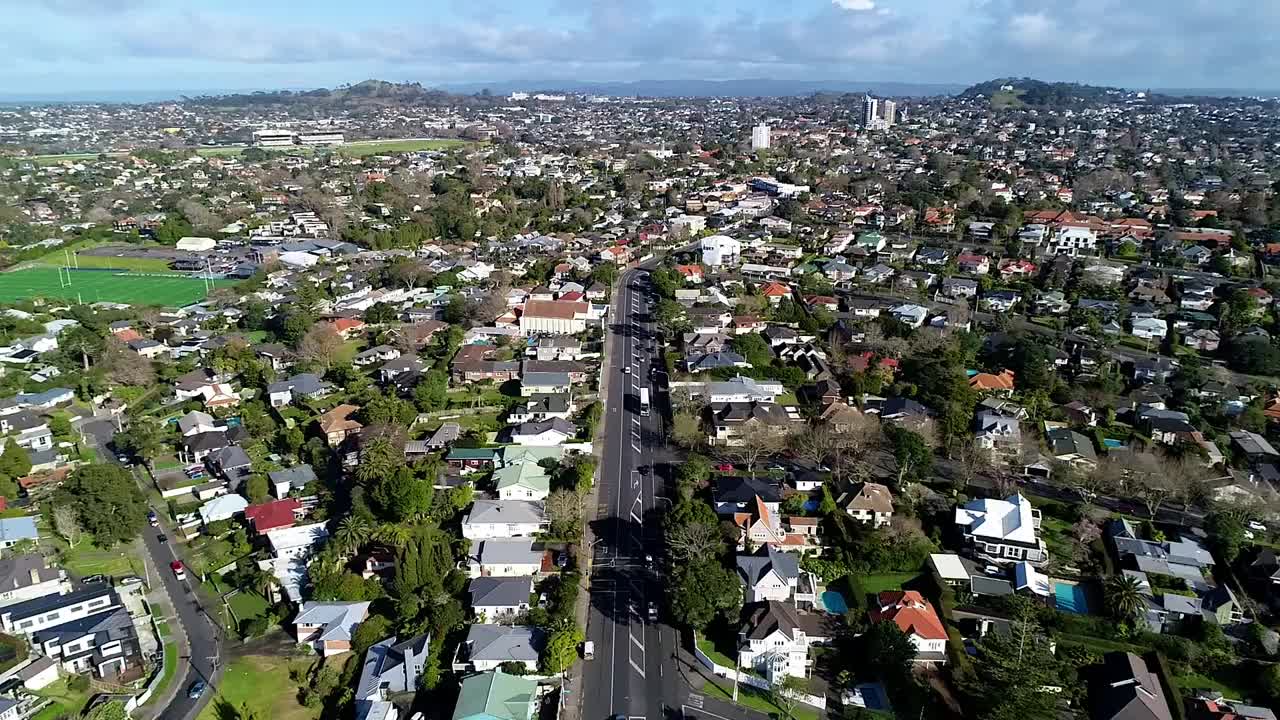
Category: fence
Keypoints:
(755, 681)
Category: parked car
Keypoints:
(196, 689)
(179, 571)
(153, 518)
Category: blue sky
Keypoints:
(59, 46)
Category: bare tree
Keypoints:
(320, 344)
(200, 217)
(67, 525)
(564, 512)
(686, 429)
(123, 366)
(812, 444)
(692, 541)
(755, 442)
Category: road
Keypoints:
(632, 673)
(203, 640)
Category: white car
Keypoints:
(1255, 525)
(626, 370)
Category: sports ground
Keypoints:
(104, 286)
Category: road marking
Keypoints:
(695, 700)
(705, 712)
(635, 667)
(638, 643)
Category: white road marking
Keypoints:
(637, 642)
(635, 667)
(695, 700)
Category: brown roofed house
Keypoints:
(337, 424)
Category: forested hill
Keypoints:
(369, 92)
(1037, 93)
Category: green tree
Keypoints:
(371, 631)
(381, 314)
(703, 590)
(1226, 534)
(142, 440)
(560, 651)
(108, 503)
(1011, 676)
(256, 487)
(913, 456)
(399, 495)
(15, 462)
(1124, 597)
(113, 710)
(432, 391)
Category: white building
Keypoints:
(775, 638)
(760, 137)
(720, 250)
(503, 519)
(1073, 241)
(1003, 531)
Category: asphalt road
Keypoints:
(632, 673)
(204, 641)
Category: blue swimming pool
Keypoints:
(833, 602)
(1111, 443)
(1071, 598)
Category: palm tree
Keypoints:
(1125, 596)
(393, 534)
(353, 531)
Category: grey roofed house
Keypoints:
(1065, 441)
(112, 625)
(297, 476)
(737, 413)
(337, 620)
(560, 425)
(509, 551)
(501, 643)
(302, 384)
(762, 619)
(713, 360)
(232, 461)
(393, 667)
(195, 419)
(205, 442)
(546, 379)
(1252, 443)
(20, 571)
(505, 511)
(1124, 688)
(753, 568)
(739, 490)
(900, 408)
(500, 591)
(444, 435)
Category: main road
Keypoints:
(631, 673)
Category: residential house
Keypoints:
(774, 639)
(489, 646)
(291, 478)
(917, 619)
(729, 422)
(273, 515)
(493, 598)
(28, 577)
(993, 383)
(771, 574)
(390, 668)
(503, 519)
(14, 530)
(496, 695)
(327, 627)
(998, 433)
(104, 643)
(544, 433)
(1067, 445)
(306, 385)
(506, 557)
(337, 424)
(30, 616)
(1003, 531)
(1125, 688)
(869, 503)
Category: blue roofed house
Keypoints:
(15, 530)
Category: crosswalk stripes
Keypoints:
(695, 701)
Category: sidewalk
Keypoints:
(162, 609)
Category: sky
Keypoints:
(74, 46)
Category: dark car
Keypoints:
(162, 538)
(196, 689)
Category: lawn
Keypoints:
(102, 285)
(708, 648)
(757, 700)
(263, 684)
(170, 660)
(246, 605)
(58, 258)
(872, 584)
(87, 559)
(65, 701)
(1198, 681)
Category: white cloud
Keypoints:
(855, 4)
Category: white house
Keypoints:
(506, 557)
(771, 574)
(1072, 240)
(1003, 531)
(774, 639)
(720, 250)
(1150, 328)
(503, 519)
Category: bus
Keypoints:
(644, 402)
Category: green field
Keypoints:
(360, 148)
(99, 285)
(262, 684)
(58, 258)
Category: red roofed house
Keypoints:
(1001, 384)
(347, 327)
(272, 515)
(691, 273)
(916, 617)
(1011, 268)
(823, 301)
(1262, 296)
(572, 297)
(775, 292)
(860, 363)
(759, 526)
(618, 254)
(976, 264)
(940, 219)
(127, 335)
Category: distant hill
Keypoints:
(361, 93)
(757, 87)
(1019, 92)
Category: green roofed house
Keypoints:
(469, 460)
(496, 696)
(522, 482)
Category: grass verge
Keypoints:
(262, 684)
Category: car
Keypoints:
(562, 560)
(1248, 535)
(648, 560)
(162, 538)
(196, 690)
(179, 571)
(1257, 526)
(94, 579)
(724, 467)
(626, 370)
(122, 459)
(653, 611)
(153, 519)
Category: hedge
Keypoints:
(1171, 696)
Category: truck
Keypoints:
(644, 402)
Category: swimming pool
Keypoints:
(833, 602)
(1070, 597)
(1111, 443)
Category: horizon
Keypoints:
(78, 48)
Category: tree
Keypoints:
(379, 458)
(432, 391)
(913, 456)
(1124, 597)
(1014, 670)
(1226, 534)
(256, 487)
(353, 531)
(686, 429)
(66, 525)
(702, 590)
(320, 344)
(890, 649)
(113, 710)
(560, 651)
(141, 440)
(691, 541)
(15, 462)
(785, 694)
(381, 314)
(564, 513)
(399, 495)
(107, 502)
(368, 633)
(755, 442)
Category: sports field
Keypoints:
(103, 285)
